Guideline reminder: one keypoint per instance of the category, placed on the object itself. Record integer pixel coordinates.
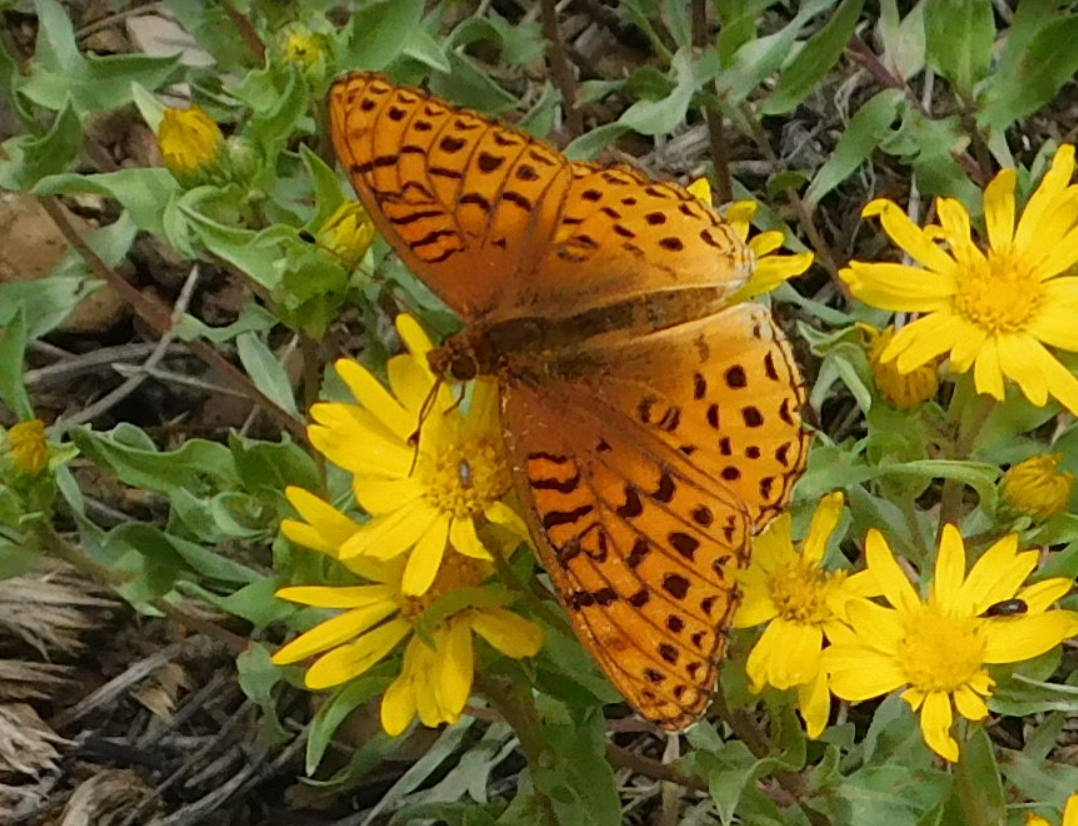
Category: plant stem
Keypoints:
(720, 151)
(517, 707)
(951, 497)
(560, 67)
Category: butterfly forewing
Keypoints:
(465, 201)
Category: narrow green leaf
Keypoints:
(657, 117)
(142, 192)
(867, 129)
(978, 784)
(1048, 62)
(266, 371)
(958, 37)
(13, 341)
(32, 157)
(380, 31)
(336, 711)
(816, 59)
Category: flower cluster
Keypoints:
(937, 646)
(430, 471)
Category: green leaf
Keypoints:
(142, 192)
(336, 711)
(867, 129)
(1022, 696)
(266, 371)
(471, 86)
(758, 58)
(903, 42)
(424, 48)
(198, 464)
(1040, 70)
(978, 784)
(579, 780)
(32, 157)
(590, 144)
(380, 31)
(94, 85)
(519, 44)
(658, 117)
(212, 28)
(958, 37)
(13, 341)
(817, 58)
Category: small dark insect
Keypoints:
(1007, 608)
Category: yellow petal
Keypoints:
(413, 336)
(426, 557)
(381, 496)
(911, 238)
(455, 668)
(370, 393)
(1041, 202)
(999, 208)
(508, 632)
(997, 575)
(986, 373)
(936, 720)
(877, 626)
(814, 701)
(465, 540)
(398, 706)
(334, 632)
(824, 521)
(898, 287)
(337, 596)
(892, 580)
(1070, 813)
(922, 341)
(859, 673)
(391, 534)
(1041, 595)
(303, 534)
(954, 218)
(756, 606)
(349, 661)
(1020, 360)
(1026, 637)
(501, 514)
(763, 654)
(333, 526)
(1053, 322)
(969, 338)
(410, 380)
(774, 548)
(700, 188)
(970, 704)
(950, 569)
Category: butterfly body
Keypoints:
(652, 428)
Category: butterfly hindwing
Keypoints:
(615, 514)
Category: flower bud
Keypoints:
(1035, 488)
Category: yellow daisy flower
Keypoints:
(348, 233)
(1070, 815)
(191, 144)
(28, 446)
(772, 269)
(1035, 487)
(939, 647)
(903, 390)
(802, 604)
(993, 310)
(435, 682)
(422, 497)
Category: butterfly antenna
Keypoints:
(424, 413)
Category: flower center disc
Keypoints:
(1000, 294)
(465, 478)
(939, 652)
(799, 591)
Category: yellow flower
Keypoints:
(422, 497)
(1070, 815)
(1035, 488)
(995, 309)
(938, 647)
(310, 50)
(348, 232)
(771, 268)
(903, 390)
(802, 605)
(28, 446)
(436, 681)
(191, 144)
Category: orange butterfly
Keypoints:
(652, 429)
